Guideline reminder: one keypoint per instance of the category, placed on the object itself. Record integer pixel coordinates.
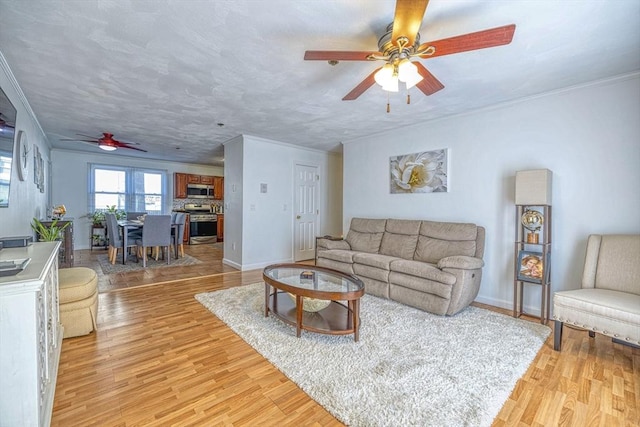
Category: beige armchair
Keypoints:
(609, 299)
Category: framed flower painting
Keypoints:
(423, 172)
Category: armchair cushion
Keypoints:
(609, 300)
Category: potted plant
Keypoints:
(49, 233)
(119, 213)
(97, 218)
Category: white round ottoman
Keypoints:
(78, 296)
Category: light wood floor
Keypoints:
(160, 358)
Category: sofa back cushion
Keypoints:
(365, 234)
(400, 238)
(442, 239)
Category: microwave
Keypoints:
(199, 191)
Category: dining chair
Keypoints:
(115, 239)
(178, 232)
(156, 231)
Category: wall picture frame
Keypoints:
(421, 172)
(531, 266)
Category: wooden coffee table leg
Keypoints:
(267, 291)
(356, 319)
(298, 315)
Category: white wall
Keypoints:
(70, 182)
(25, 200)
(588, 136)
(266, 220)
(233, 173)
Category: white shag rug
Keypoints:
(410, 367)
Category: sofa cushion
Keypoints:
(368, 272)
(373, 260)
(400, 238)
(332, 244)
(365, 234)
(338, 255)
(422, 270)
(462, 262)
(441, 239)
(401, 280)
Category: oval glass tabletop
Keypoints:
(313, 278)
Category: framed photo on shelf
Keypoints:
(531, 266)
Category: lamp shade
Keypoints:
(533, 187)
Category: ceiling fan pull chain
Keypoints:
(408, 98)
(388, 107)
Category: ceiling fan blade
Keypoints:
(480, 40)
(337, 55)
(362, 87)
(80, 140)
(88, 136)
(123, 145)
(429, 83)
(408, 19)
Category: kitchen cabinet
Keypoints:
(180, 181)
(31, 336)
(220, 232)
(206, 179)
(199, 179)
(218, 187)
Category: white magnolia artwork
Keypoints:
(424, 172)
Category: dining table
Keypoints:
(133, 224)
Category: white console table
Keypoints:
(30, 336)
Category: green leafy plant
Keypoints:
(97, 217)
(48, 233)
(119, 213)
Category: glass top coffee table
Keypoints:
(311, 298)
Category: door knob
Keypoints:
(297, 216)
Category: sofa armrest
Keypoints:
(460, 261)
(328, 242)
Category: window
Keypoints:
(129, 189)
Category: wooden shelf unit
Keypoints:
(544, 247)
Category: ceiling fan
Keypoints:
(107, 142)
(401, 43)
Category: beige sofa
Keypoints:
(608, 301)
(434, 266)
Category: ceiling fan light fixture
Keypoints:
(107, 147)
(384, 74)
(391, 85)
(387, 77)
(408, 73)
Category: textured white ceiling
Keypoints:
(163, 73)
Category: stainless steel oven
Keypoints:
(203, 228)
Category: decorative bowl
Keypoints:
(312, 305)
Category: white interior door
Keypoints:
(306, 212)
